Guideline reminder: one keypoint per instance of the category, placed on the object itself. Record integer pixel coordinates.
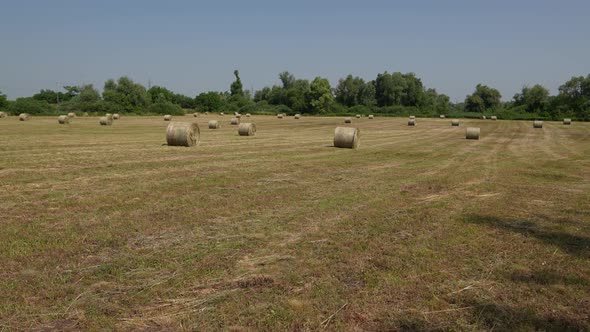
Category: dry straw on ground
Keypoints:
(247, 129)
(63, 119)
(346, 137)
(567, 121)
(412, 122)
(105, 121)
(455, 122)
(116, 116)
(167, 117)
(347, 120)
(472, 133)
(538, 124)
(72, 115)
(214, 124)
(234, 121)
(24, 117)
(182, 134)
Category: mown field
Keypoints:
(108, 228)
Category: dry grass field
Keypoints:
(108, 228)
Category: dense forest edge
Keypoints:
(389, 94)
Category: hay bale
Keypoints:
(182, 134)
(116, 116)
(567, 121)
(86, 114)
(24, 117)
(347, 120)
(234, 121)
(238, 116)
(472, 133)
(483, 117)
(105, 120)
(247, 115)
(412, 122)
(537, 124)
(279, 116)
(167, 117)
(455, 123)
(493, 117)
(195, 114)
(346, 137)
(221, 113)
(72, 115)
(3, 115)
(358, 116)
(247, 129)
(297, 116)
(442, 116)
(63, 119)
(214, 124)
(371, 116)
(412, 117)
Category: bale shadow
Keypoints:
(573, 244)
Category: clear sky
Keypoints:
(194, 46)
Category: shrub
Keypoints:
(165, 107)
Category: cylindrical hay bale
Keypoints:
(247, 115)
(493, 117)
(371, 116)
(23, 117)
(483, 117)
(412, 122)
(221, 113)
(72, 115)
(442, 116)
(214, 124)
(538, 124)
(182, 134)
(195, 114)
(238, 116)
(105, 121)
(567, 121)
(297, 116)
(455, 122)
(247, 129)
(167, 117)
(472, 133)
(116, 116)
(279, 116)
(358, 116)
(2, 115)
(412, 117)
(234, 121)
(347, 120)
(346, 137)
(63, 119)
(86, 114)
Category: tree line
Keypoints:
(389, 93)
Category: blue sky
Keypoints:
(194, 46)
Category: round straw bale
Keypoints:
(2, 115)
(86, 114)
(483, 117)
(24, 117)
(214, 124)
(63, 119)
(412, 122)
(105, 121)
(238, 116)
(358, 116)
(182, 134)
(346, 137)
(234, 121)
(567, 121)
(195, 114)
(167, 117)
(279, 116)
(493, 117)
(371, 116)
(297, 116)
(442, 116)
(221, 113)
(116, 116)
(247, 115)
(347, 120)
(72, 115)
(537, 124)
(247, 129)
(472, 133)
(412, 117)
(455, 122)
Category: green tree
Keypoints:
(320, 95)
(236, 87)
(287, 79)
(474, 103)
(209, 101)
(348, 91)
(490, 99)
(534, 99)
(29, 105)
(3, 101)
(160, 94)
(389, 89)
(125, 95)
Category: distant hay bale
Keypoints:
(297, 116)
(221, 113)
(167, 117)
(105, 120)
(116, 116)
(2, 115)
(86, 114)
(72, 115)
(412, 122)
(347, 120)
(537, 124)
(472, 133)
(442, 116)
(371, 116)
(234, 121)
(247, 129)
(412, 117)
(279, 116)
(214, 124)
(358, 116)
(455, 122)
(195, 114)
(493, 117)
(24, 117)
(110, 117)
(63, 119)
(483, 117)
(238, 116)
(567, 121)
(346, 137)
(182, 134)
(247, 115)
